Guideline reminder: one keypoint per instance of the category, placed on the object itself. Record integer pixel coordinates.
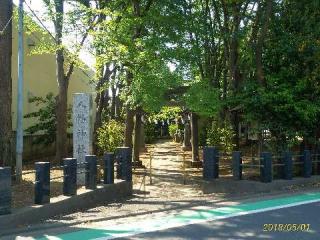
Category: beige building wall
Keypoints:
(40, 76)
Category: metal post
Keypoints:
(91, 171)
(236, 165)
(42, 184)
(69, 176)
(108, 168)
(5, 190)
(266, 168)
(307, 164)
(19, 135)
(288, 166)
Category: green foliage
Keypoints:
(45, 119)
(203, 99)
(203, 136)
(166, 113)
(221, 137)
(110, 136)
(150, 132)
(289, 104)
(173, 129)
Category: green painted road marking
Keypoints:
(186, 218)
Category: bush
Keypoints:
(221, 136)
(173, 129)
(150, 132)
(45, 119)
(110, 136)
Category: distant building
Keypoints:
(40, 79)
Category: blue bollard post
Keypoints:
(236, 165)
(5, 190)
(307, 164)
(91, 171)
(108, 168)
(69, 176)
(42, 184)
(266, 168)
(210, 163)
(288, 166)
(124, 160)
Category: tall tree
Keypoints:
(5, 82)
(64, 69)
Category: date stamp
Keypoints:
(286, 227)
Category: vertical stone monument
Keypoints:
(82, 134)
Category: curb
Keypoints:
(88, 199)
(228, 185)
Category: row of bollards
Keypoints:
(211, 165)
(71, 168)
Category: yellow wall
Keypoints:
(40, 76)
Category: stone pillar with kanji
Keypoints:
(82, 131)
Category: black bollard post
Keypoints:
(216, 164)
(5, 190)
(288, 166)
(266, 168)
(210, 163)
(69, 176)
(42, 184)
(91, 171)
(236, 165)
(118, 161)
(108, 168)
(307, 164)
(124, 159)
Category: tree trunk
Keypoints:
(61, 137)
(62, 125)
(259, 44)
(137, 136)
(117, 108)
(234, 66)
(142, 138)
(101, 100)
(194, 137)
(186, 137)
(113, 103)
(5, 83)
(129, 127)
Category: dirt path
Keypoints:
(168, 175)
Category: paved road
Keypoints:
(248, 226)
(237, 220)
